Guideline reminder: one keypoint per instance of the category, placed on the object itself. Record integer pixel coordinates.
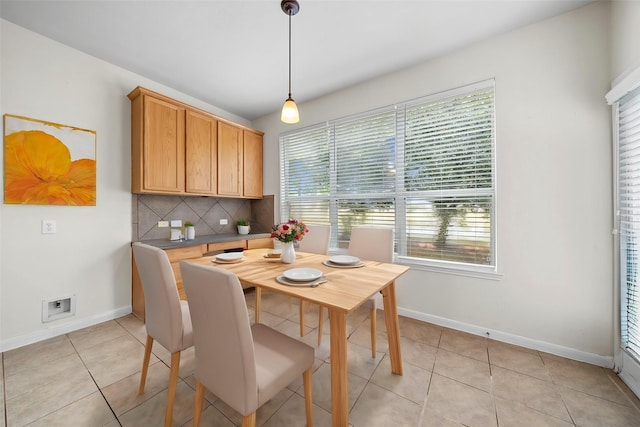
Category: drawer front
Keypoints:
(265, 242)
(177, 254)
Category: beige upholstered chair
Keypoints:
(243, 365)
(316, 241)
(167, 318)
(370, 244)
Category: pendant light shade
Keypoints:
(290, 112)
(290, 109)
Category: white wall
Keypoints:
(553, 182)
(90, 254)
(625, 36)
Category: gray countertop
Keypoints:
(200, 240)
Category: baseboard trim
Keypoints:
(63, 328)
(558, 350)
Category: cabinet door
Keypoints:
(201, 153)
(252, 168)
(163, 146)
(229, 160)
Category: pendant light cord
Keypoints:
(289, 54)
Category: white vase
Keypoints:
(190, 232)
(243, 229)
(288, 255)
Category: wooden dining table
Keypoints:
(345, 290)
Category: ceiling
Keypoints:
(233, 53)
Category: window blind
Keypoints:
(629, 220)
(425, 167)
(448, 157)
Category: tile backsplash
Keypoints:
(204, 212)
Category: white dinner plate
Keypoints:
(330, 264)
(302, 274)
(229, 256)
(344, 259)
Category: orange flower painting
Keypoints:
(48, 164)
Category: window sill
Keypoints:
(444, 267)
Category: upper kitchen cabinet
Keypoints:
(229, 160)
(179, 149)
(157, 145)
(252, 164)
(201, 154)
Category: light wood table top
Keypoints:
(346, 289)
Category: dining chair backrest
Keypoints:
(316, 241)
(163, 313)
(372, 243)
(224, 349)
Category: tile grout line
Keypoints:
(94, 380)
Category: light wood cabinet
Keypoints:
(252, 164)
(229, 160)
(201, 153)
(157, 146)
(179, 149)
(265, 242)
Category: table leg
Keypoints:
(339, 395)
(257, 307)
(393, 330)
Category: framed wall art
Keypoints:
(48, 163)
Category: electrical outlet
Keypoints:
(224, 221)
(176, 223)
(162, 224)
(48, 226)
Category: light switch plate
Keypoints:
(224, 221)
(162, 224)
(176, 223)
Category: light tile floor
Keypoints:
(90, 378)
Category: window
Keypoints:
(628, 133)
(624, 97)
(425, 167)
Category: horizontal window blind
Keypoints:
(424, 167)
(304, 166)
(449, 143)
(629, 206)
(366, 153)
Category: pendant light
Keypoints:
(290, 109)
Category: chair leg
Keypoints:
(145, 363)
(308, 405)
(320, 321)
(197, 407)
(171, 392)
(372, 314)
(249, 420)
(301, 318)
(258, 302)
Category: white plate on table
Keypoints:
(230, 257)
(356, 265)
(302, 274)
(311, 283)
(344, 259)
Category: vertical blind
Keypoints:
(629, 206)
(424, 167)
